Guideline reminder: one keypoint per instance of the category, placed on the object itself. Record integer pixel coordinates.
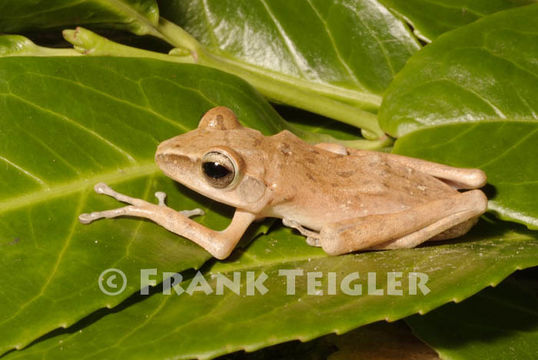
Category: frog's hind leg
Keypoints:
(404, 229)
(312, 237)
(459, 178)
(456, 231)
(425, 234)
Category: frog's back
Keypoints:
(331, 187)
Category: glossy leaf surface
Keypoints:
(67, 124)
(207, 325)
(348, 50)
(433, 18)
(138, 16)
(469, 99)
(499, 323)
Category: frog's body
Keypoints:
(354, 185)
(348, 199)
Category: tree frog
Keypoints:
(341, 199)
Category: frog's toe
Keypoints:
(161, 197)
(102, 188)
(85, 218)
(88, 218)
(313, 241)
(193, 212)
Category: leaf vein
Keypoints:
(56, 265)
(34, 177)
(374, 36)
(333, 43)
(509, 149)
(116, 99)
(75, 124)
(299, 61)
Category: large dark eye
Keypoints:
(218, 169)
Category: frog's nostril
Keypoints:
(171, 160)
(164, 159)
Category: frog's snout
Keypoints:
(166, 146)
(166, 159)
(160, 158)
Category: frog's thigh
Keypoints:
(460, 178)
(460, 222)
(407, 228)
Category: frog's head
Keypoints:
(220, 159)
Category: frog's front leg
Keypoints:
(102, 188)
(404, 229)
(218, 243)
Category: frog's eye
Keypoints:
(218, 168)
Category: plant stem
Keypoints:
(17, 45)
(324, 99)
(363, 144)
(89, 43)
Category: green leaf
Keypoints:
(67, 124)
(302, 53)
(334, 42)
(469, 99)
(326, 76)
(205, 326)
(497, 323)
(138, 16)
(316, 124)
(433, 18)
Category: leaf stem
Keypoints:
(89, 43)
(335, 102)
(18, 45)
(298, 93)
(362, 144)
(177, 37)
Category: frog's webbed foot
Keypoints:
(135, 204)
(312, 237)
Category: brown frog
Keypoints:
(341, 199)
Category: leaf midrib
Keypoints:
(254, 346)
(225, 62)
(112, 176)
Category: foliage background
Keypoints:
(454, 83)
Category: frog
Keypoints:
(341, 199)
